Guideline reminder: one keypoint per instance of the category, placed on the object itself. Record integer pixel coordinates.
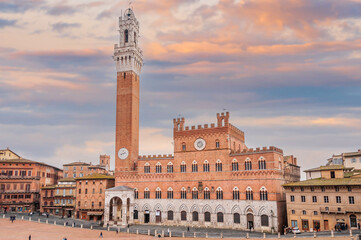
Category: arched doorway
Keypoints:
(158, 216)
(250, 221)
(115, 209)
(353, 221)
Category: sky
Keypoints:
(287, 71)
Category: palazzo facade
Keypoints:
(212, 180)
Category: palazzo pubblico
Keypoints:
(213, 179)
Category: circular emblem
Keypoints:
(123, 153)
(200, 144)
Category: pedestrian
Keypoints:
(101, 235)
(116, 230)
(358, 226)
(29, 237)
(128, 225)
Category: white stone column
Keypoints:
(106, 211)
(124, 215)
(114, 216)
(131, 213)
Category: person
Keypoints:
(101, 235)
(116, 230)
(358, 226)
(29, 237)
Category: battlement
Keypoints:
(159, 156)
(222, 121)
(233, 128)
(259, 150)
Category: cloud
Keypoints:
(7, 23)
(61, 26)
(18, 6)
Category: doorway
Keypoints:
(353, 221)
(146, 217)
(250, 221)
(325, 225)
(158, 216)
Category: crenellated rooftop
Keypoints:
(259, 150)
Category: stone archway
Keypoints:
(115, 210)
(118, 207)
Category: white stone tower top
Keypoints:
(127, 54)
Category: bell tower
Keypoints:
(129, 61)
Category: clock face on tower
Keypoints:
(123, 153)
(200, 144)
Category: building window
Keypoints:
(206, 166)
(304, 212)
(219, 193)
(136, 193)
(302, 189)
(264, 221)
(146, 168)
(338, 199)
(218, 166)
(263, 194)
(332, 174)
(235, 193)
(220, 217)
(323, 189)
(195, 193)
(236, 218)
(183, 216)
(292, 189)
(207, 193)
(217, 143)
(183, 167)
(234, 165)
(183, 147)
(293, 211)
(262, 164)
(207, 216)
(339, 209)
(303, 198)
(170, 193)
(158, 168)
(195, 216)
(249, 194)
(351, 200)
(312, 189)
(79, 190)
(194, 166)
(146, 193)
(135, 214)
(349, 189)
(158, 193)
(325, 199)
(170, 167)
(315, 213)
(170, 215)
(292, 198)
(183, 193)
(248, 164)
(314, 198)
(337, 189)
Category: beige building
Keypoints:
(6, 154)
(347, 159)
(59, 199)
(82, 169)
(321, 203)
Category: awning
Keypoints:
(95, 213)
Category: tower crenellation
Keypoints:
(127, 54)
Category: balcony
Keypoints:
(343, 209)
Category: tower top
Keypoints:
(127, 54)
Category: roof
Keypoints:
(96, 166)
(120, 188)
(67, 180)
(329, 167)
(77, 164)
(49, 187)
(95, 176)
(352, 154)
(326, 182)
(23, 160)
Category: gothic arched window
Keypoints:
(263, 194)
(206, 166)
(194, 166)
(249, 194)
(262, 163)
(235, 193)
(219, 193)
(194, 193)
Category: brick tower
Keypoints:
(129, 60)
